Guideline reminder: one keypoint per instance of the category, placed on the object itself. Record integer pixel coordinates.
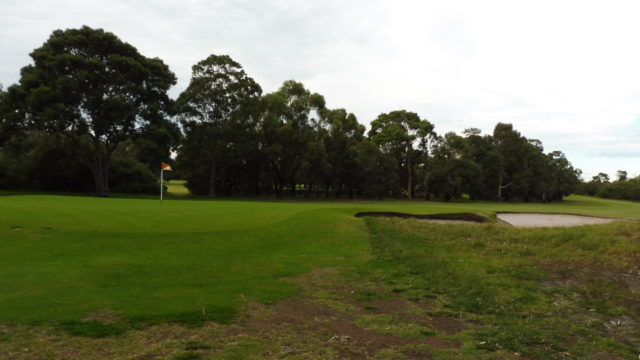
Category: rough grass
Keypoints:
(544, 293)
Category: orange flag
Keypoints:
(166, 167)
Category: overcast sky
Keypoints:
(564, 72)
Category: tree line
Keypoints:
(92, 113)
(623, 188)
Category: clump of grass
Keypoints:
(388, 324)
(91, 328)
(219, 314)
(241, 349)
(187, 356)
(195, 345)
(370, 295)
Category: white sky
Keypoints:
(564, 72)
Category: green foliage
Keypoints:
(397, 133)
(290, 139)
(50, 162)
(95, 89)
(39, 161)
(623, 188)
(111, 105)
(130, 175)
(218, 113)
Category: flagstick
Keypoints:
(161, 187)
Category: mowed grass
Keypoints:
(65, 258)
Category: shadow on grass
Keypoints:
(98, 329)
(458, 217)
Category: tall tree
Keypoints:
(217, 112)
(97, 90)
(482, 151)
(561, 178)
(514, 181)
(289, 134)
(399, 133)
(622, 175)
(343, 134)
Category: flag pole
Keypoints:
(161, 187)
(163, 166)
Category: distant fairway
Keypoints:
(176, 188)
(64, 257)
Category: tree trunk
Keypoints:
(212, 179)
(98, 180)
(409, 178)
(277, 181)
(500, 187)
(105, 172)
(98, 169)
(427, 195)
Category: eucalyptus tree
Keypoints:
(398, 133)
(218, 113)
(376, 174)
(289, 136)
(622, 175)
(5, 124)
(561, 178)
(95, 89)
(482, 150)
(341, 137)
(514, 180)
(454, 172)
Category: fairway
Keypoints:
(65, 258)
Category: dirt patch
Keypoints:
(549, 220)
(448, 325)
(441, 218)
(104, 316)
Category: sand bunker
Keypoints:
(545, 220)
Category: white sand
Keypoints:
(544, 220)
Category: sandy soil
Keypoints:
(545, 220)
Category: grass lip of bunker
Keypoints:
(455, 217)
(551, 219)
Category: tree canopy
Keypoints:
(217, 113)
(92, 99)
(95, 89)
